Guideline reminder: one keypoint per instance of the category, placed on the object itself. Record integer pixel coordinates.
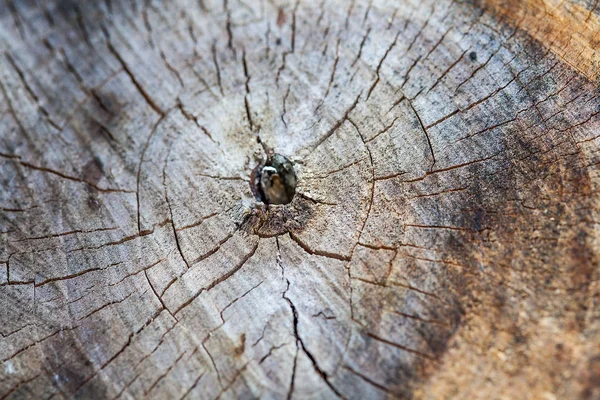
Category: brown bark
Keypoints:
(442, 243)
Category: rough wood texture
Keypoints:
(443, 242)
(570, 29)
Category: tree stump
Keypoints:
(442, 241)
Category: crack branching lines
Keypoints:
(476, 70)
(34, 97)
(173, 70)
(407, 74)
(447, 70)
(347, 22)
(401, 347)
(108, 362)
(35, 343)
(333, 71)
(57, 235)
(437, 171)
(402, 285)
(65, 176)
(228, 27)
(378, 70)
(293, 378)
(12, 110)
(164, 375)
(292, 44)
(279, 260)
(155, 292)
(109, 304)
(247, 86)
(164, 177)
(371, 381)
(337, 125)
(386, 128)
(210, 357)
(509, 119)
(139, 272)
(412, 43)
(217, 67)
(176, 235)
(148, 354)
(200, 221)
(213, 250)
(220, 279)
(232, 302)
(16, 17)
(139, 168)
(300, 342)
(270, 352)
(147, 24)
(287, 93)
(364, 223)
(472, 105)
(360, 49)
(19, 385)
(329, 173)
(131, 75)
(367, 12)
(194, 385)
(233, 380)
(120, 241)
(190, 117)
(437, 44)
(310, 251)
(7, 334)
(426, 134)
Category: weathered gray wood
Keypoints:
(443, 242)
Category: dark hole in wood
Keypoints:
(274, 181)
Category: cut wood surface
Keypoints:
(443, 241)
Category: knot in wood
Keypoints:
(274, 181)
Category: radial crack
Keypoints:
(299, 341)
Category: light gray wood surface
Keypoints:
(443, 241)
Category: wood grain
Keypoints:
(570, 29)
(443, 241)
